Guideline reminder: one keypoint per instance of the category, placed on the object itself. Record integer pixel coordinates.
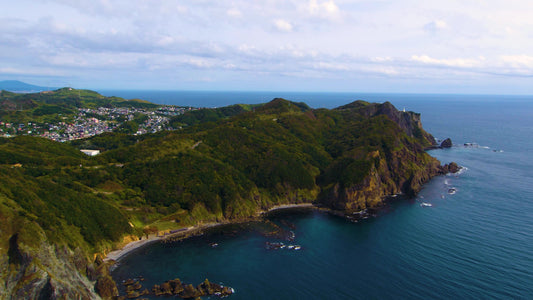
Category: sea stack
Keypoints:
(447, 143)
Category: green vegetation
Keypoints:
(38, 152)
(208, 115)
(231, 163)
(226, 164)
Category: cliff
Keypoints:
(398, 165)
(33, 268)
(410, 122)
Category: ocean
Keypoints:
(474, 242)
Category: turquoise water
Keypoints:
(474, 244)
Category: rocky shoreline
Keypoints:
(174, 287)
(187, 232)
(187, 291)
(133, 288)
(184, 233)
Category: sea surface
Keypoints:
(476, 243)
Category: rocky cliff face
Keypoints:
(400, 171)
(32, 268)
(391, 175)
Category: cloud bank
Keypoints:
(334, 45)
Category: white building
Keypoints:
(90, 152)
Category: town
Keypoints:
(89, 122)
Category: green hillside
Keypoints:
(38, 107)
(225, 165)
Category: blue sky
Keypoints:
(467, 46)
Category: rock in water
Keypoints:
(189, 291)
(447, 143)
(451, 168)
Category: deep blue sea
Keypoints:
(474, 244)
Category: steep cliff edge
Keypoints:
(409, 121)
(398, 165)
(32, 268)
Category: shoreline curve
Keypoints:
(117, 255)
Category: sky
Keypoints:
(452, 46)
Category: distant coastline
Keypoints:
(313, 99)
(20, 87)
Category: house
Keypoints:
(90, 152)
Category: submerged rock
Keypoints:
(134, 287)
(128, 282)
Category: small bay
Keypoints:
(476, 243)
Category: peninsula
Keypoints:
(62, 211)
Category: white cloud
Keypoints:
(331, 66)
(283, 25)
(165, 41)
(199, 63)
(351, 37)
(380, 59)
(233, 12)
(330, 7)
(325, 9)
(452, 62)
(518, 61)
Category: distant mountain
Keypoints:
(19, 86)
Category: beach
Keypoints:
(289, 206)
(187, 231)
(116, 255)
